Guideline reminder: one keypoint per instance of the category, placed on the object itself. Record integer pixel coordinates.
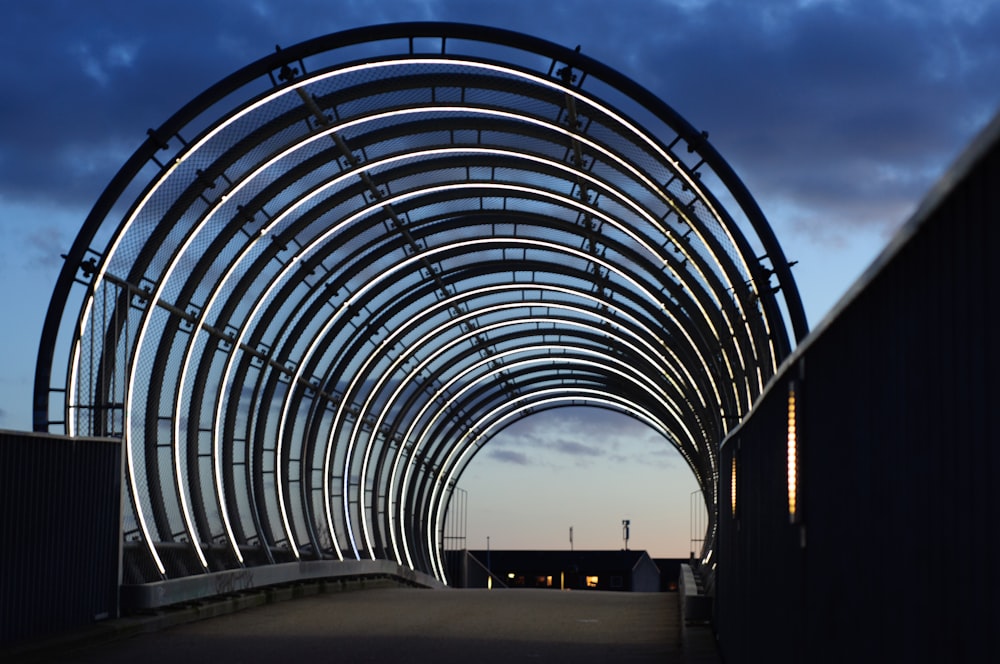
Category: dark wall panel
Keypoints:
(895, 556)
(60, 529)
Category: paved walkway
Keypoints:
(414, 625)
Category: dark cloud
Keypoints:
(574, 448)
(581, 436)
(510, 456)
(46, 244)
(848, 111)
(841, 112)
(91, 79)
(563, 425)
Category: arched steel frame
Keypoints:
(316, 291)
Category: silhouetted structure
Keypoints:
(626, 571)
(351, 263)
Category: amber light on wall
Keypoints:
(732, 486)
(793, 457)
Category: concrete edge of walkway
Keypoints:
(202, 587)
(102, 632)
(698, 644)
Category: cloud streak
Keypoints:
(573, 448)
(511, 457)
(580, 437)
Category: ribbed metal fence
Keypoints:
(60, 533)
(892, 439)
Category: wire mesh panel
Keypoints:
(357, 259)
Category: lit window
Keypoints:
(592, 581)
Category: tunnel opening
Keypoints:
(344, 274)
(584, 468)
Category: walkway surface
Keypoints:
(414, 625)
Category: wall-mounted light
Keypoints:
(732, 485)
(793, 456)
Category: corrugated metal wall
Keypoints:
(896, 554)
(60, 533)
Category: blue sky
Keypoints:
(839, 116)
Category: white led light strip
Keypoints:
(478, 432)
(182, 252)
(390, 373)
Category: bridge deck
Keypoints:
(402, 624)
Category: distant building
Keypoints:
(670, 571)
(628, 571)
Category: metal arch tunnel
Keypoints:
(316, 291)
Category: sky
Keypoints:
(839, 115)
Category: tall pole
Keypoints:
(571, 538)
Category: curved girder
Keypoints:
(326, 293)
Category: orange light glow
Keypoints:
(732, 486)
(793, 460)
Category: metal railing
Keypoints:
(877, 437)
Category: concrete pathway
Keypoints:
(414, 625)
